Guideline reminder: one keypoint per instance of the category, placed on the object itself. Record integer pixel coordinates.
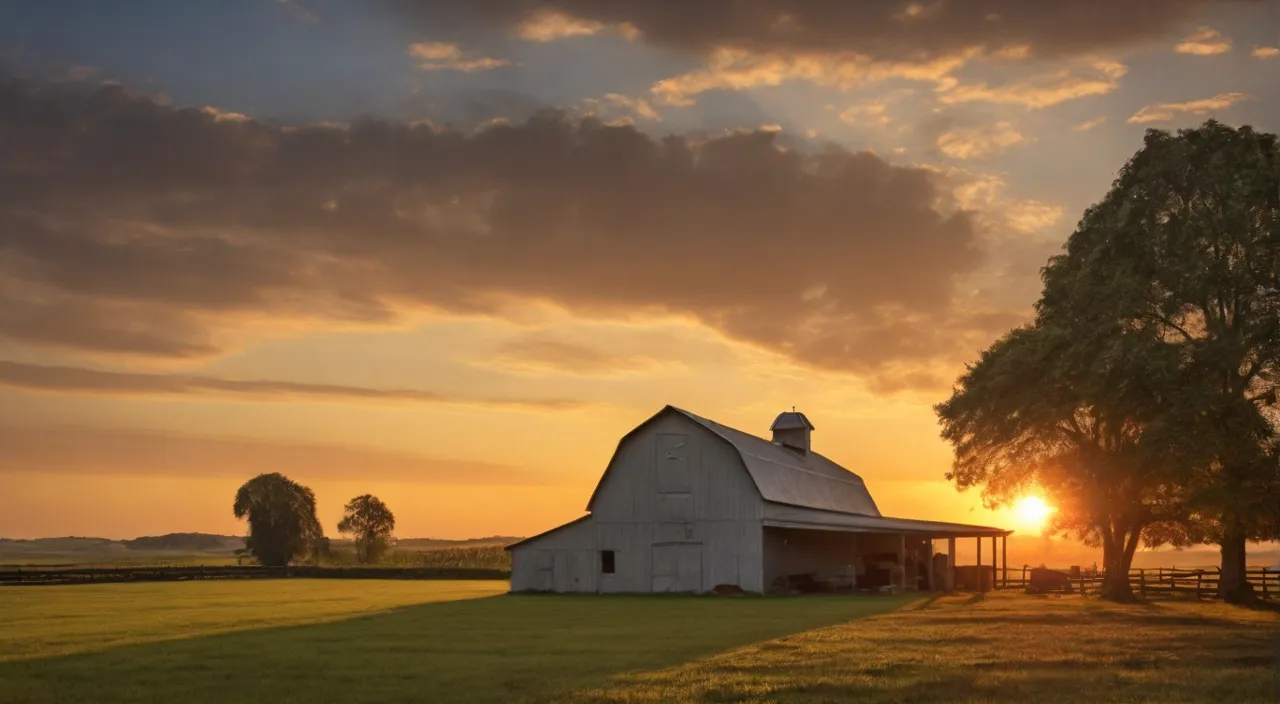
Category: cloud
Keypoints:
(78, 380)
(1089, 124)
(299, 12)
(82, 73)
(222, 115)
(109, 452)
(1204, 42)
(541, 355)
(1265, 52)
(1097, 77)
(627, 105)
(156, 231)
(550, 25)
(974, 143)
(443, 56)
(884, 29)
(874, 113)
(1032, 216)
(1164, 112)
(740, 69)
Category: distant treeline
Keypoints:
(212, 542)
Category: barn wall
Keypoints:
(565, 560)
(671, 486)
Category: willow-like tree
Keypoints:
(370, 523)
(1186, 248)
(282, 519)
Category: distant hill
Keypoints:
(198, 548)
(65, 544)
(199, 542)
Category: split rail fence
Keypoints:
(1155, 581)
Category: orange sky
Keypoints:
(449, 258)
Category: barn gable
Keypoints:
(780, 475)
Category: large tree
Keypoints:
(370, 523)
(1049, 406)
(282, 519)
(1186, 247)
(1141, 394)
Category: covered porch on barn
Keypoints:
(808, 550)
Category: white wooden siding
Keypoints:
(565, 560)
(676, 483)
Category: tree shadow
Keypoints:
(1003, 651)
(495, 649)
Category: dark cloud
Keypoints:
(128, 226)
(35, 377)
(895, 29)
(115, 453)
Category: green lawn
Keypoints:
(392, 641)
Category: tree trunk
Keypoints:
(1117, 557)
(1233, 583)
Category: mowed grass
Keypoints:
(376, 641)
(46, 621)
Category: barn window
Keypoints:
(606, 561)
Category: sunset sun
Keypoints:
(1031, 512)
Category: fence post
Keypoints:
(1142, 582)
(1264, 582)
(1024, 575)
(1199, 581)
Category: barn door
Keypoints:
(677, 568)
(544, 578)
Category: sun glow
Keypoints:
(1031, 512)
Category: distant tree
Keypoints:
(282, 519)
(370, 524)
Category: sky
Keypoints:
(448, 253)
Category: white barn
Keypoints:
(689, 505)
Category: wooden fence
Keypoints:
(1155, 581)
(91, 575)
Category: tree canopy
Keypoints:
(368, 520)
(282, 519)
(1141, 395)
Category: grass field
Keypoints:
(392, 641)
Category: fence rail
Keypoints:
(91, 575)
(1155, 581)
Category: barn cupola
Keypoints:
(791, 430)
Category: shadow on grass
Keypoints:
(495, 649)
(1003, 650)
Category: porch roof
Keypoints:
(783, 516)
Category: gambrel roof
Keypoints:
(784, 476)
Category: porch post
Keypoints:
(951, 565)
(902, 558)
(929, 567)
(981, 583)
(995, 566)
(1004, 558)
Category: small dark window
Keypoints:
(606, 561)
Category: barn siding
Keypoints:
(565, 560)
(701, 495)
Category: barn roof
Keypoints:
(785, 476)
